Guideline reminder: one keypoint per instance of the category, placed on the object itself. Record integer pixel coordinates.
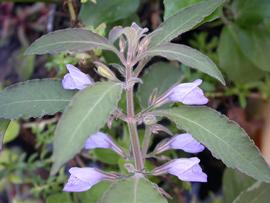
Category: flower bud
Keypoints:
(105, 72)
(139, 30)
(122, 44)
(149, 119)
(143, 45)
(156, 128)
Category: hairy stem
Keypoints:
(132, 125)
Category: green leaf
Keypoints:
(94, 194)
(188, 56)
(8, 157)
(255, 45)
(174, 6)
(24, 65)
(105, 11)
(106, 156)
(73, 39)
(135, 190)
(18, 200)
(257, 193)
(250, 12)
(233, 62)
(234, 183)
(224, 138)
(85, 115)
(160, 76)
(183, 21)
(33, 98)
(3, 127)
(12, 131)
(59, 198)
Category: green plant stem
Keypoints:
(146, 141)
(71, 11)
(132, 125)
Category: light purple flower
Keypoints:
(182, 141)
(186, 169)
(101, 140)
(187, 93)
(75, 79)
(82, 179)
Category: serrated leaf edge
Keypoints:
(43, 113)
(159, 112)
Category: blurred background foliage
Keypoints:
(236, 37)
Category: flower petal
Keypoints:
(87, 174)
(98, 140)
(186, 142)
(101, 140)
(75, 79)
(82, 179)
(188, 93)
(187, 169)
(68, 82)
(76, 185)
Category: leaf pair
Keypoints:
(79, 40)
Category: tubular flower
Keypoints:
(186, 169)
(75, 79)
(101, 140)
(82, 179)
(184, 142)
(188, 93)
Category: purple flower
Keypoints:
(82, 179)
(75, 79)
(186, 169)
(101, 140)
(182, 141)
(187, 93)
